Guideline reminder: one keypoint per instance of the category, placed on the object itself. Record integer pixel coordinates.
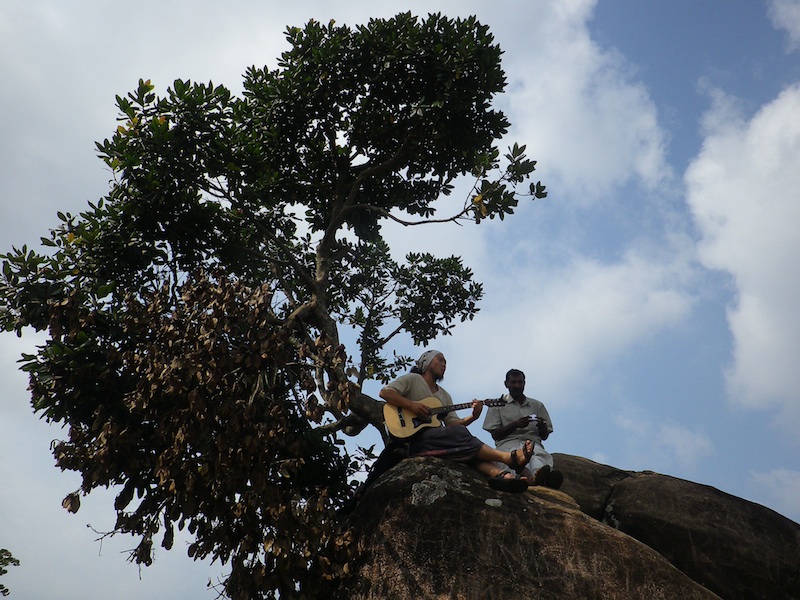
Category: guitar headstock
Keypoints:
(494, 402)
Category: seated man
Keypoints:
(524, 419)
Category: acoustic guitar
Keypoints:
(402, 423)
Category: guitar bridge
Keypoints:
(422, 421)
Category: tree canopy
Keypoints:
(194, 313)
(6, 560)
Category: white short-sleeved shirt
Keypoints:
(500, 416)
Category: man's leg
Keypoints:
(540, 469)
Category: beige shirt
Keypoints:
(414, 387)
(511, 411)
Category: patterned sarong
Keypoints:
(454, 442)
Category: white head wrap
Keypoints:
(424, 361)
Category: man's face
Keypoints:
(516, 386)
(438, 366)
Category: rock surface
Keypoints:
(434, 529)
(738, 549)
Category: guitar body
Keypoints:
(402, 423)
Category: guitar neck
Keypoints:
(446, 409)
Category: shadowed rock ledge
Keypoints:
(736, 548)
(434, 529)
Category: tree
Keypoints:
(6, 560)
(194, 313)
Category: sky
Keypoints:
(651, 299)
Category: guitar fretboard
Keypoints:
(446, 409)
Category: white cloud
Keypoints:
(782, 489)
(566, 325)
(742, 189)
(785, 14)
(592, 125)
(664, 446)
(600, 457)
(686, 445)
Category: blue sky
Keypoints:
(651, 299)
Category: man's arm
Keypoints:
(503, 432)
(477, 407)
(544, 425)
(544, 431)
(396, 399)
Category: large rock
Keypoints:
(738, 549)
(432, 528)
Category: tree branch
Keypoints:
(364, 410)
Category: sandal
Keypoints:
(518, 465)
(507, 484)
